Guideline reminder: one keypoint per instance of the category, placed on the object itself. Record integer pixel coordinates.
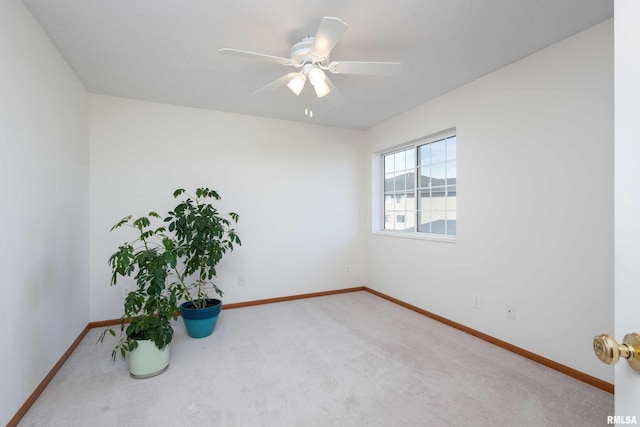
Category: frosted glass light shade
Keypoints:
(316, 76)
(297, 83)
(322, 89)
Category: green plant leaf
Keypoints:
(142, 222)
(121, 222)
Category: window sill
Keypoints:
(415, 236)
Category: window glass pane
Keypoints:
(424, 156)
(388, 163)
(451, 148)
(437, 174)
(452, 201)
(425, 180)
(435, 224)
(411, 201)
(438, 226)
(409, 223)
(401, 202)
(388, 202)
(424, 200)
(402, 182)
(410, 181)
(438, 151)
(438, 211)
(411, 159)
(394, 183)
(438, 201)
(424, 222)
(388, 220)
(451, 196)
(451, 223)
(388, 182)
(451, 172)
(399, 161)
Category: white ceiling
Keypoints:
(166, 50)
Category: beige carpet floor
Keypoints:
(342, 360)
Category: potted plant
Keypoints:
(148, 310)
(202, 235)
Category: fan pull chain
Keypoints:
(308, 111)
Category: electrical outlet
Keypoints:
(348, 269)
(242, 281)
(476, 301)
(510, 312)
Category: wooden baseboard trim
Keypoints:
(114, 322)
(291, 298)
(104, 323)
(596, 382)
(43, 384)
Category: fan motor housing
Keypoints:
(301, 53)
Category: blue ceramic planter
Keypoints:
(200, 322)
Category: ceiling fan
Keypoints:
(311, 57)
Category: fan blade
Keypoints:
(276, 84)
(328, 34)
(255, 56)
(366, 68)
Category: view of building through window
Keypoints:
(420, 187)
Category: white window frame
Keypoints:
(378, 193)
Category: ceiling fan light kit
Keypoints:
(311, 57)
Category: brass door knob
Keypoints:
(609, 351)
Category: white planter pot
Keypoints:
(147, 360)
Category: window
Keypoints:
(420, 187)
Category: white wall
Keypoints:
(298, 189)
(627, 206)
(44, 206)
(535, 204)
